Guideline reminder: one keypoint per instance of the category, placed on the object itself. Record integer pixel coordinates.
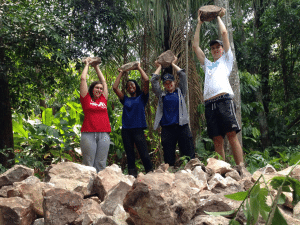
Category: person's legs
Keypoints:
(88, 147)
(141, 145)
(185, 141)
(128, 143)
(236, 147)
(103, 142)
(219, 145)
(168, 141)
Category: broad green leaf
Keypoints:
(227, 213)
(255, 191)
(234, 222)
(281, 199)
(18, 128)
(263, 193)
(278, 218)
(239, 196)
(294, 159)
(254, 206)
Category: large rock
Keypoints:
(90, 212)
(166, 58)
(4, 190)
(115, 197)
(218, 166)
(15, 174)
(16, 211)
(61, 206)
(105, 220)
(109, 178)
(163, 198)
(130, 66)
(147, 201)
(193, 163)
(73, 177)
(120, 216)
(296, 211)
(209, 220)
(30, 189)
(201, 176)
(39, 221)
(294, 174)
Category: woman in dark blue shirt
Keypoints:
(134, 120)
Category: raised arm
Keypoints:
(199, 53)
(155, 80)
(182, 77)
(102, 79)
(223, 31)
(145, 78)
(116, 89)
(83, 84)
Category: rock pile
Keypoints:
(75, 194)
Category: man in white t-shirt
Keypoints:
(219, 106)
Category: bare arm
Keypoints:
(116, 89)
(83, 84)
(155, 80)
(182, 77)
(199, 53)
(224, 34)
(102, 79)
(145, 78)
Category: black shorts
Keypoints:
(220, 117)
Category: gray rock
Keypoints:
(15, 174)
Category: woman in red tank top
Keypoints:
(95, 129)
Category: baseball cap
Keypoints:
(216, 41)
(167, 76)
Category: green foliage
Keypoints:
(40, 144)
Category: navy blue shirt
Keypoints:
(134, 111)
(170, 109)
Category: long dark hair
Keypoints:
(92, 87)
(137, 90)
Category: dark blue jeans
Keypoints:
(172, 134)
(136, 136)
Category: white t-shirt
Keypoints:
(217, 75)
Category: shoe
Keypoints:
(132, 172)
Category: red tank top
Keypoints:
(95, 114)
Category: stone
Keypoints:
(120, 216)
(148, 200)
(296, 211)
(39, 221)
(193, 163)
(185, 195)
(93, 60)
(209, 220)
(294, 174)
(268, 169)
(90, 212)
(214, 203)
(4, 190)
(115, 197)
(61, 206)
(73, 177)
(201, 176)
(15, 174)
(130, 66)
(108, 178)
(209, 12)
(16, 211)
(30, 189)
(218, 166)
(234, 175)
(105, 220)
(267, 177)
(163, 167)
(166, 58)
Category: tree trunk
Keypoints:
(234, 76)
(6, 131)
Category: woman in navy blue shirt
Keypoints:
(134, 120)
